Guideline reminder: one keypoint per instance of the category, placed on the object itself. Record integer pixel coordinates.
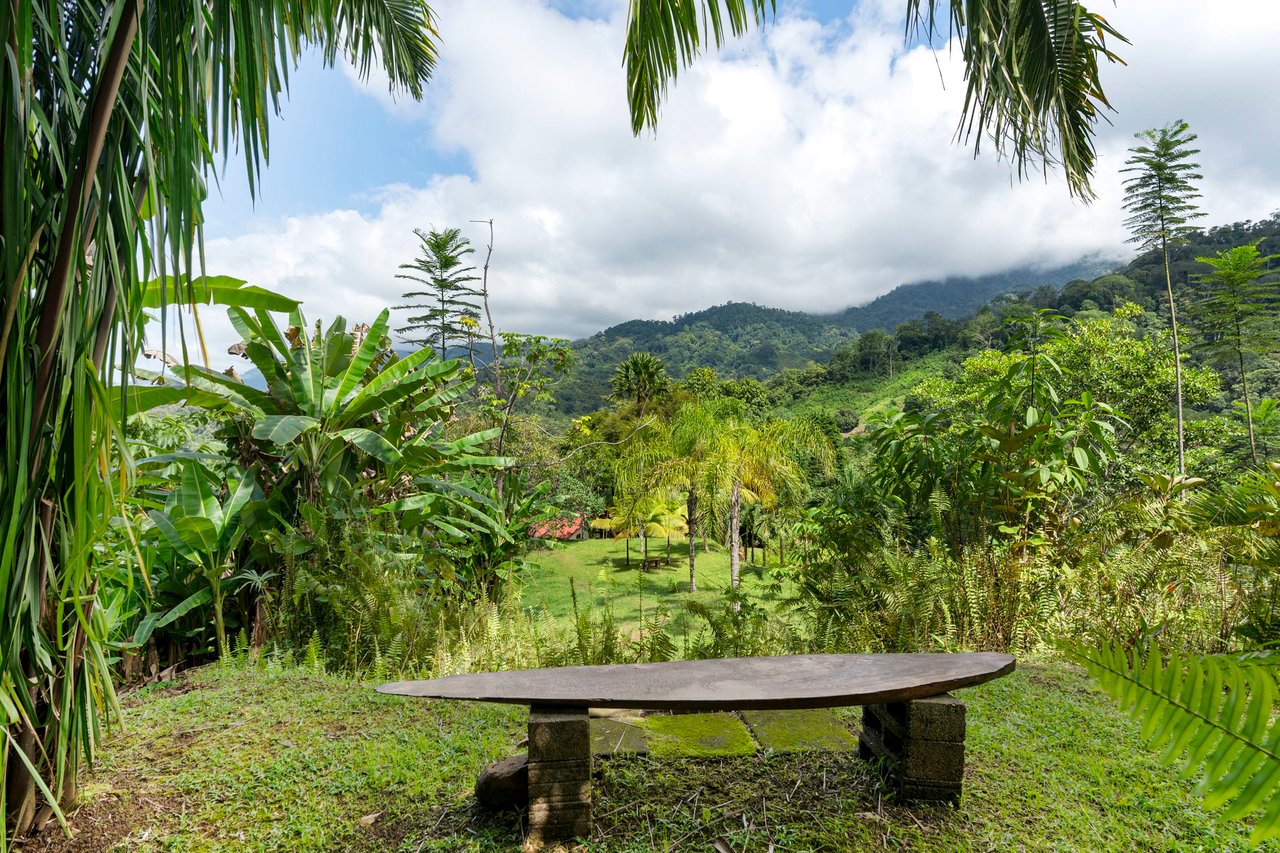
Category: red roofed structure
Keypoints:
(561, 528)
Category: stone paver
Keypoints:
(793, 731)
(698, 735)
(618, 737)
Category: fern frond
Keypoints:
(1210, 716)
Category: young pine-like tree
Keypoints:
(1236, 313)
(450, 315)
(1159, 196)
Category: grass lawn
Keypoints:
(601, 577)
(234, 758)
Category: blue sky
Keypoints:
(811, 167)
(333, 145)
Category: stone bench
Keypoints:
(912, 727)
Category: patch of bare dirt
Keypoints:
(107, 819)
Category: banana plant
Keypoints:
(205, 531)
(338, 402)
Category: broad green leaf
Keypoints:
(283, 429)
(195, 494)
(201, 536)
(372, 443)
(144, 398)
(173, 536)
(364, 357)
(247, 399)
(213, 290)
(161, 618)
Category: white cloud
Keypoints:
(809, 168)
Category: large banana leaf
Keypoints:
(143, 398)
(372, 443)
(212, 290)
(283, 429)
(369, 348)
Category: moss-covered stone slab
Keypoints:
(698, 735)
(618, 737)
(795, 731)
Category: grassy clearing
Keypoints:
(598, 572)
(239, 759)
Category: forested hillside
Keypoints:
(959, 296)
(740, 339)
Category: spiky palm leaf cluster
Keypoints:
(641, 377)
(1033, 85)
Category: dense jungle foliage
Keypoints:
(1002, 481)
(1062, 467)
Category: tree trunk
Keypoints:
(219, 624)
(692, 506)
(735, 535)
(1177, 359)
(1248, 407)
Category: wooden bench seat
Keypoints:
(912, 726)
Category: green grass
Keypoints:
(242, 759)
(601, 578)
(700, 735)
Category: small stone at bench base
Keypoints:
(504, 784)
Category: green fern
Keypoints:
(1208, 715)
(313, 662)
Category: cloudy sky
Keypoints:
(810, 167)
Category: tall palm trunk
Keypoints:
(1177, 358)
(1244, 389)
(735, 533)
(691, 504)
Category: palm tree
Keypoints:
(763, 462)
(1160, 199)
(662, 517)
(641, 377)
(681, 455)
(1032, 79)
(108, 124)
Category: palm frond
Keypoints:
(1032, 68)
(1210, 716)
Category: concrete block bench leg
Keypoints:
(920, 746)
(559, 774)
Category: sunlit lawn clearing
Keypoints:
(601, 578)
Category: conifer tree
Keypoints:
(1159, 197)
(1236, 312)
(450, 315)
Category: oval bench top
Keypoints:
(790, 681)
